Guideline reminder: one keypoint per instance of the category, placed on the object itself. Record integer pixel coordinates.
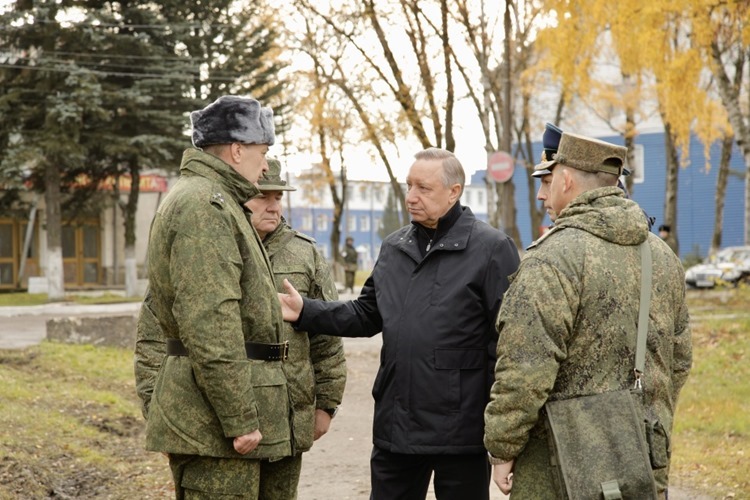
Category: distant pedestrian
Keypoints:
(665, 233)
(349, 255)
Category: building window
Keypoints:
(321, 223)
(637, 170)
(364, 223)
(7, 257)
(377, 194)
(307, 224)
(467, 197)
(351, 223)
(480, 197)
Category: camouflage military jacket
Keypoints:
(316, 369)
(210, 286)
(568, 327)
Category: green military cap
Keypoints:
(585, 153)
(271, 180)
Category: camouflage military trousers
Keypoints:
(279, 479)
(204, 478)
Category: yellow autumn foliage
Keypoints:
(620, 55)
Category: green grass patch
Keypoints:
(15, 299)
(711, 438)
(107, 298)
(72, 426)
(22, 299)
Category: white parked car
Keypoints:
(729, 265)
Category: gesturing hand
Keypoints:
(291, 302)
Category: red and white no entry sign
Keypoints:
(500, 166)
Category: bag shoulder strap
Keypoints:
(645, 303)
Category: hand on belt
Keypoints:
(254, 350)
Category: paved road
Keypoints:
(25, 326)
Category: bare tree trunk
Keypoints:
(630, 144)
(506, 191)
(375, 140)
(450, 140)
(730, 97)
(55, 273)
(721, 189)
(670, 198)
(402, 90)
(128, 211)
(524, 138)
(506, 205)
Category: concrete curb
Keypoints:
(69, 309)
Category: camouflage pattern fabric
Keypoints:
(568, 327)
(209, 478)
(210, 285)
(279, 478)
(316, 368)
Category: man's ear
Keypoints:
(568, 179)
(235, 152)
(455, 192)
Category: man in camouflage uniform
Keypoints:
(316, 369)
(218, 403)
(349, 254)
(568, 323)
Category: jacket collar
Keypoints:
(211, 167)
(278, 238)
(456, 238)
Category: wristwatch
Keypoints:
(331, 411)
(495, 460)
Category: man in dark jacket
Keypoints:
(434, 293)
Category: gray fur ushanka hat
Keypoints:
(232, 119)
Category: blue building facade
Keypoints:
(313, 214)
(695, 196)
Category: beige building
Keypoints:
(93, 246)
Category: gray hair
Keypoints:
(453, 171)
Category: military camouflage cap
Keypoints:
(585, 153)
(271, 180)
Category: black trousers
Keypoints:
(397, 476)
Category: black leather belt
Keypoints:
(254, 350)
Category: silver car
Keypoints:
(729, 265)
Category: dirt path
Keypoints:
(338, 465)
